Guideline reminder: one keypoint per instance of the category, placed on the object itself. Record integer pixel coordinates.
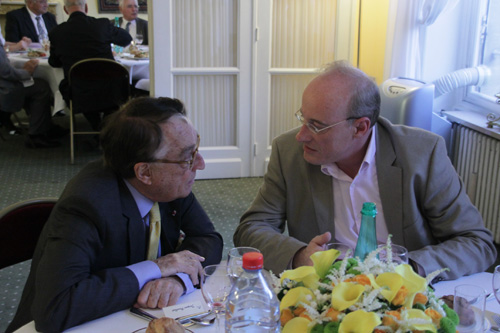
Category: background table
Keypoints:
(46, 72)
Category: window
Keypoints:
(487, 53)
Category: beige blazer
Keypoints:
(424, 201)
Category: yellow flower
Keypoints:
(294, 296)
(346, 294)
(304, 274)
(392, 281)
(296, 325)
(411, 280)
(418, 314)
(323, 260)
(359, 321)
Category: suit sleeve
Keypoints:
(200, 234)
(262, 226)
(464, 245)
(73, 292)
(119, 36)
(7, 72)
(12, 30)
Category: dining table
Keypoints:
(51, 75)
(137, 67)
(126, 322)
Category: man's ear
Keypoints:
(143, 173)
(361, 126)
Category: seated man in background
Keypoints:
(131, 22)
(17, 91)
(30, 21)
(343, 155)
(82, 37)
(97, 254)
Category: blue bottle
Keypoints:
(367, 239)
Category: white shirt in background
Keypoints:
(350, 194)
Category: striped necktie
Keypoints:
(39, 26)
(154, 231)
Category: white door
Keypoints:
(202, 56)
(295, 38)
(240, 66)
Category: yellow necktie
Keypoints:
(154, 231)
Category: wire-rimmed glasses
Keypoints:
(313, 127)
(186, 164)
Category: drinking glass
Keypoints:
(399, 253)
(215, 287)
(469, 303)
(496, 283)
(44, 41)
(235, 261)
(342, 248)
(139, 39)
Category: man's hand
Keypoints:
(24, 43)
(181, 262)
(301, 258)
(160, 293)
(31, 65)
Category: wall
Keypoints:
(373, 29)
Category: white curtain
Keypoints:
(406, 34)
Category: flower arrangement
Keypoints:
(360, 296)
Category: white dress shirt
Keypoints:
(42, 22)
(350, 194)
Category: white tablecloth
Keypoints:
(138, 68)
(44, 71)
(124, 321)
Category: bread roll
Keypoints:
(165, 325)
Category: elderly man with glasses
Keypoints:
(31, 21)
(343, 155)
(99, 252)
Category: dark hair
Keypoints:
(365, 95)
(133, 134)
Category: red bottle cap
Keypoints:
(253, 260)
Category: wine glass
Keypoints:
(235, 261)
(138, 39)
(399, 254)
(215, 287)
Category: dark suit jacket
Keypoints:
(78, 270)
(19, 24)
(11, 87)
(142, 27)
(83, 37)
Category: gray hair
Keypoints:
(120, 3)
(71, 3)
(365, 95)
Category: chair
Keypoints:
(96, 85)
(20, 227)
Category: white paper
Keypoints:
(185, 309)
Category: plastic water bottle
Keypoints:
(252, 305)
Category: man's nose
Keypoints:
(199, 163)
(304, 134)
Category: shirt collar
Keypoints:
(333, 170)
(33, 15)
(144, 204)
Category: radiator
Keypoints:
(476, 157)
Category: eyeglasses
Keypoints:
(185, 164)
(312, 127)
